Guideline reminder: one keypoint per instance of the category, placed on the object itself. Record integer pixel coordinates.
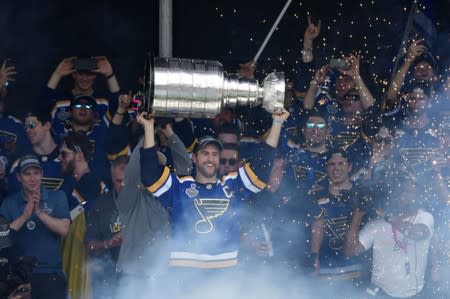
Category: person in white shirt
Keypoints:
(400, 243)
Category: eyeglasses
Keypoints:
(30, 125)
(385, 140)
(83, 105)
(310, 125)
(231, 161)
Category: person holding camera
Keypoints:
(84, 72)
(351, 109)
(400, 240)
(13, 139)
(39, 219)
(423, 70)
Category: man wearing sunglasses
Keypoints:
(75, 153)
(43, 144)
(84, 72)
(229, 159)
(84, 119)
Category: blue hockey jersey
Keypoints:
(204, 217)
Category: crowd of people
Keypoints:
(343, 193)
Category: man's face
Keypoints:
(36, 132)
(350, 102)
(82, 113)
(423, 71)
(229, 161)
(382, 144)
(67, 158)
(84, 80)
(315, 131)
(338, 170)
(118, 173)
(417, 102)
(228, 138)
(207, 161)
(31, 179)
(343, 85)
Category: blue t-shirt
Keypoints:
(34, 238)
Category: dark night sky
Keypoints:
(39, 34)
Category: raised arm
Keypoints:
(153, 175)
(414, 50)
(365, 95)
(310, 98)
(181, 159)
(279, 117)
(105, 68)
(311, 33)
(64, 68)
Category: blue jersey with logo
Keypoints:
(337, 216)
(204, 217)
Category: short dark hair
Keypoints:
(231, 146)
(206, 140)
(338, 152)
(42, 115)
(228, 129)
(428, 58)
(78, 142)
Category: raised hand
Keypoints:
(66, 67)
(103, 66)
(7, 73)
(280, 114)
(415, 49)
(312, 31)
(145, 119)
(354, 61)
(321, 74)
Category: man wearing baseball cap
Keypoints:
(38, 218)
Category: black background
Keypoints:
(37, 35)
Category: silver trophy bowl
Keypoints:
(191, 88)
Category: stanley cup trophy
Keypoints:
(175, 87)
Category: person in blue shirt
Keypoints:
(39, 218)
